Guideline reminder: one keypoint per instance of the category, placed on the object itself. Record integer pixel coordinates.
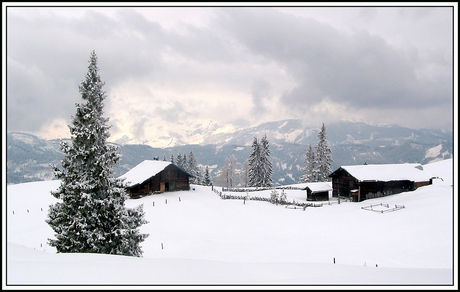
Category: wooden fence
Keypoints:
(303, 205)
(387, 206)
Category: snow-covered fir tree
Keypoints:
(255, 171)
(267, 168)
(283, 197)
(244, 176)
(193, 169)
(323, 156)
(180, 161)
(227, 175)
(207, 181)
(184, 163)
(91, 216)
(274, 196)
(172, 158)
(260, 167)
(199, 175)
(309, 171)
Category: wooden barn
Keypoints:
(153, 176)
(361, 182)
(318, 191)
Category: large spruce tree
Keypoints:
(91, 216)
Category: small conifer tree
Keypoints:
(254, 172)
(309, 171)
(274, 196)
(323, 156)
(283, 197)
(207, 178)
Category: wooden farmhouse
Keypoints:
(361, 182)
(318, 191)
(153, 176)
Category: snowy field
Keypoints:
(197, 239)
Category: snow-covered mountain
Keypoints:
(28, 157)
(180, 134)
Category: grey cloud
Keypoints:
(139, 128)
(260, 93)
(56, 50)
(175, 113)
(35, 98)
(357, 69)
(47, 58)
(202, 44)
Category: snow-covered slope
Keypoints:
(198, 238)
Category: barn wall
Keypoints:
(342, 183)
(377, 189)
(179, 179)
(318, 196)
(171, 178)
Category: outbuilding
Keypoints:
(361, 182)
(318, 191)
(153, 176)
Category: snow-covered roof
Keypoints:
(319, 186)
(313, 186)
(388, 172)
(144, 171)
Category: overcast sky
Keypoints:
(240, 65)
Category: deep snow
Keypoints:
(196, 238)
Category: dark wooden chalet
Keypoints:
(361, 182)
(153, 176)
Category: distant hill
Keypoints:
(29, 157)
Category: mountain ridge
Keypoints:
(29, 157)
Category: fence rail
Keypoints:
(265, 199)
(256, 189)
(396, 208)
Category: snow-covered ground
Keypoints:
(196, 238)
